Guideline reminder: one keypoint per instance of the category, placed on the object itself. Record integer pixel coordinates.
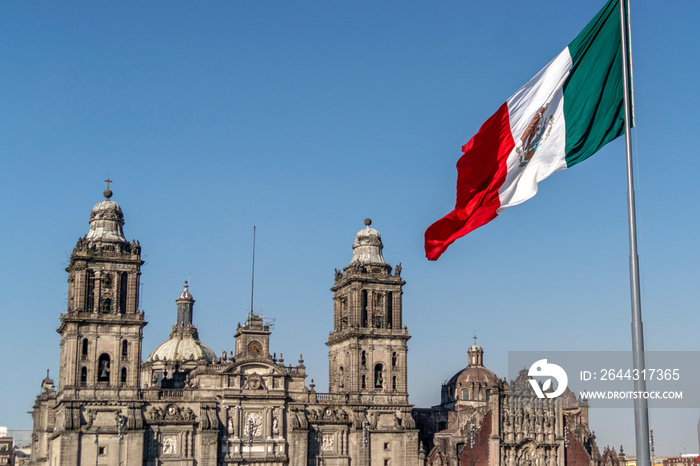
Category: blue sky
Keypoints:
(305, 117)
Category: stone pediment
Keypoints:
(170, 414)
(258, 367)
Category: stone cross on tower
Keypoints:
(108, 192)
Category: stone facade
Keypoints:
(186, 405)
(483, 419)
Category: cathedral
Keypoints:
(186, 405)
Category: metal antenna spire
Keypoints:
(252, 281)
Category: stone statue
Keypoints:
(231, 430)
(275, 427)
(135, 247)
(104, 369)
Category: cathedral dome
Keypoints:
(106, 221)
(367, 248)
(181, 348)
(471, 383)
(474, 375)
(183, 344)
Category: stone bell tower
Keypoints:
(97, 410)
(368, 344)
(102, 328)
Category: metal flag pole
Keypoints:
(641, 408)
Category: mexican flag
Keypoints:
(567, 112)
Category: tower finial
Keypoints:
(108, 192)
(474, 337)
(368, 221)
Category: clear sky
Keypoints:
(305, 117)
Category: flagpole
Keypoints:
(641, 408)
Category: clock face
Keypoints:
(255, 347)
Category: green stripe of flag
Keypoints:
(593, 94)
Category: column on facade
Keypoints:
(396, 310)
(236, 421)
(268, 422)
(132, 303)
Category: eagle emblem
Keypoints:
(535, 134)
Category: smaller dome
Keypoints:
(367, 248)
(106, 223)
(473, 382)
(474, 374)
(185, 295)
(181, 348)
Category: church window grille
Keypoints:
(393, 359)
(83, 376)
(363, 358)
(103, 368)
(364, 382)
(393, 383)
(341, 382)
(123, 376)
(378, 376)
(125, 349)
(123, 283)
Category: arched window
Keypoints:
(123, 376)
(83, 376)
(364, 382)
(378, 376)
(363, 358)
(123, 283)
(363, 317)
(393, 383)
(90, 291)
(341, 383)
(125, 349)
(103, 368)
(390, 310)
(84, 351)
(393, 359)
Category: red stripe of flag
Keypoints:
(481, 171)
